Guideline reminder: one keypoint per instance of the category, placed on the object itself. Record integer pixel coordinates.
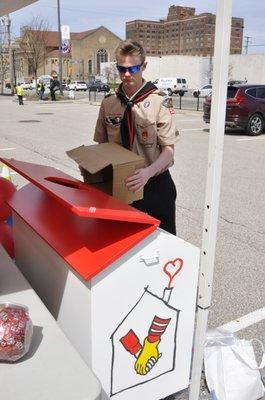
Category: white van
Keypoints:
(175, 85)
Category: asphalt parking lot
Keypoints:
(41, 132)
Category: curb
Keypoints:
(187, 111)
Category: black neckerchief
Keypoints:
(127, 123)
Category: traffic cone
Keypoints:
(5, 173)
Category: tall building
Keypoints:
(182, 32)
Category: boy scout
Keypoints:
(138, 117)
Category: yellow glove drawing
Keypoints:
(148, 357)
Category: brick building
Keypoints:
(182, 32)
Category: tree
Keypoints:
(33, 44)
(4, 65)
(110, 72)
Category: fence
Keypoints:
(186, 102)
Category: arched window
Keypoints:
(89, 67)
(102, 56)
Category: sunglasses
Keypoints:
(133, 69)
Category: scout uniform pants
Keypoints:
(159, 201)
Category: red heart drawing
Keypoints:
(172, 268)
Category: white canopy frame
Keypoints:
(9, 6)
(212, 197)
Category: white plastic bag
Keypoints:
(231, 369)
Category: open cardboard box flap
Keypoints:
(96, 158)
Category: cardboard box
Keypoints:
(106, 166)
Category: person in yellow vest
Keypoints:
(20, 94)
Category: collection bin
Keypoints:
(122, 289)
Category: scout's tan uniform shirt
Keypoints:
(154, 125)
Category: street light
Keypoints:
(60, 46)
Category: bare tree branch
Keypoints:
(33, 43)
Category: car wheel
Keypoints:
(255, 125)
(169, 92)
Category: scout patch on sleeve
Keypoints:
(167, 102)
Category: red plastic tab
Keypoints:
(82, 199)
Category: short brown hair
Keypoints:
(130, 47)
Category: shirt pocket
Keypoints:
(113, 126)
(146, 134)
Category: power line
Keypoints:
(248, 41)
(256, 45)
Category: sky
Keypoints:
(82, 15)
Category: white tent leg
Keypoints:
(214, 171)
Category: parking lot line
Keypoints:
(245, 321)
(8, 148)
(253, 138)
(185, 120)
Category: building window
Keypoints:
(89, 67)
(102, 56)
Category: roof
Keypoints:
(52, 37)
(55, 53)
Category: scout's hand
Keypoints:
(137, 181)
(147, 358)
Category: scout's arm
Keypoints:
(141, 176)
(100, 135)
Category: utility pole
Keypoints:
(10, 52)
(60, 46)
(248, 42)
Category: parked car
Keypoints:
(77, 85)
(203, 91)
(98, 86)
(172, 85)
(245, 108)
(46, 80)
(231, 83)
(28, 85)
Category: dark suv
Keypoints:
(98, 86)
(245, 108)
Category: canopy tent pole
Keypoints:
(212, 197)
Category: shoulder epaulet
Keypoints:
(109, 94)
(161, 93)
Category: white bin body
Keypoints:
(124, 297)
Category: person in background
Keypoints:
(41, 89)
(54, 85)
(140, 118)
(20, 94)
